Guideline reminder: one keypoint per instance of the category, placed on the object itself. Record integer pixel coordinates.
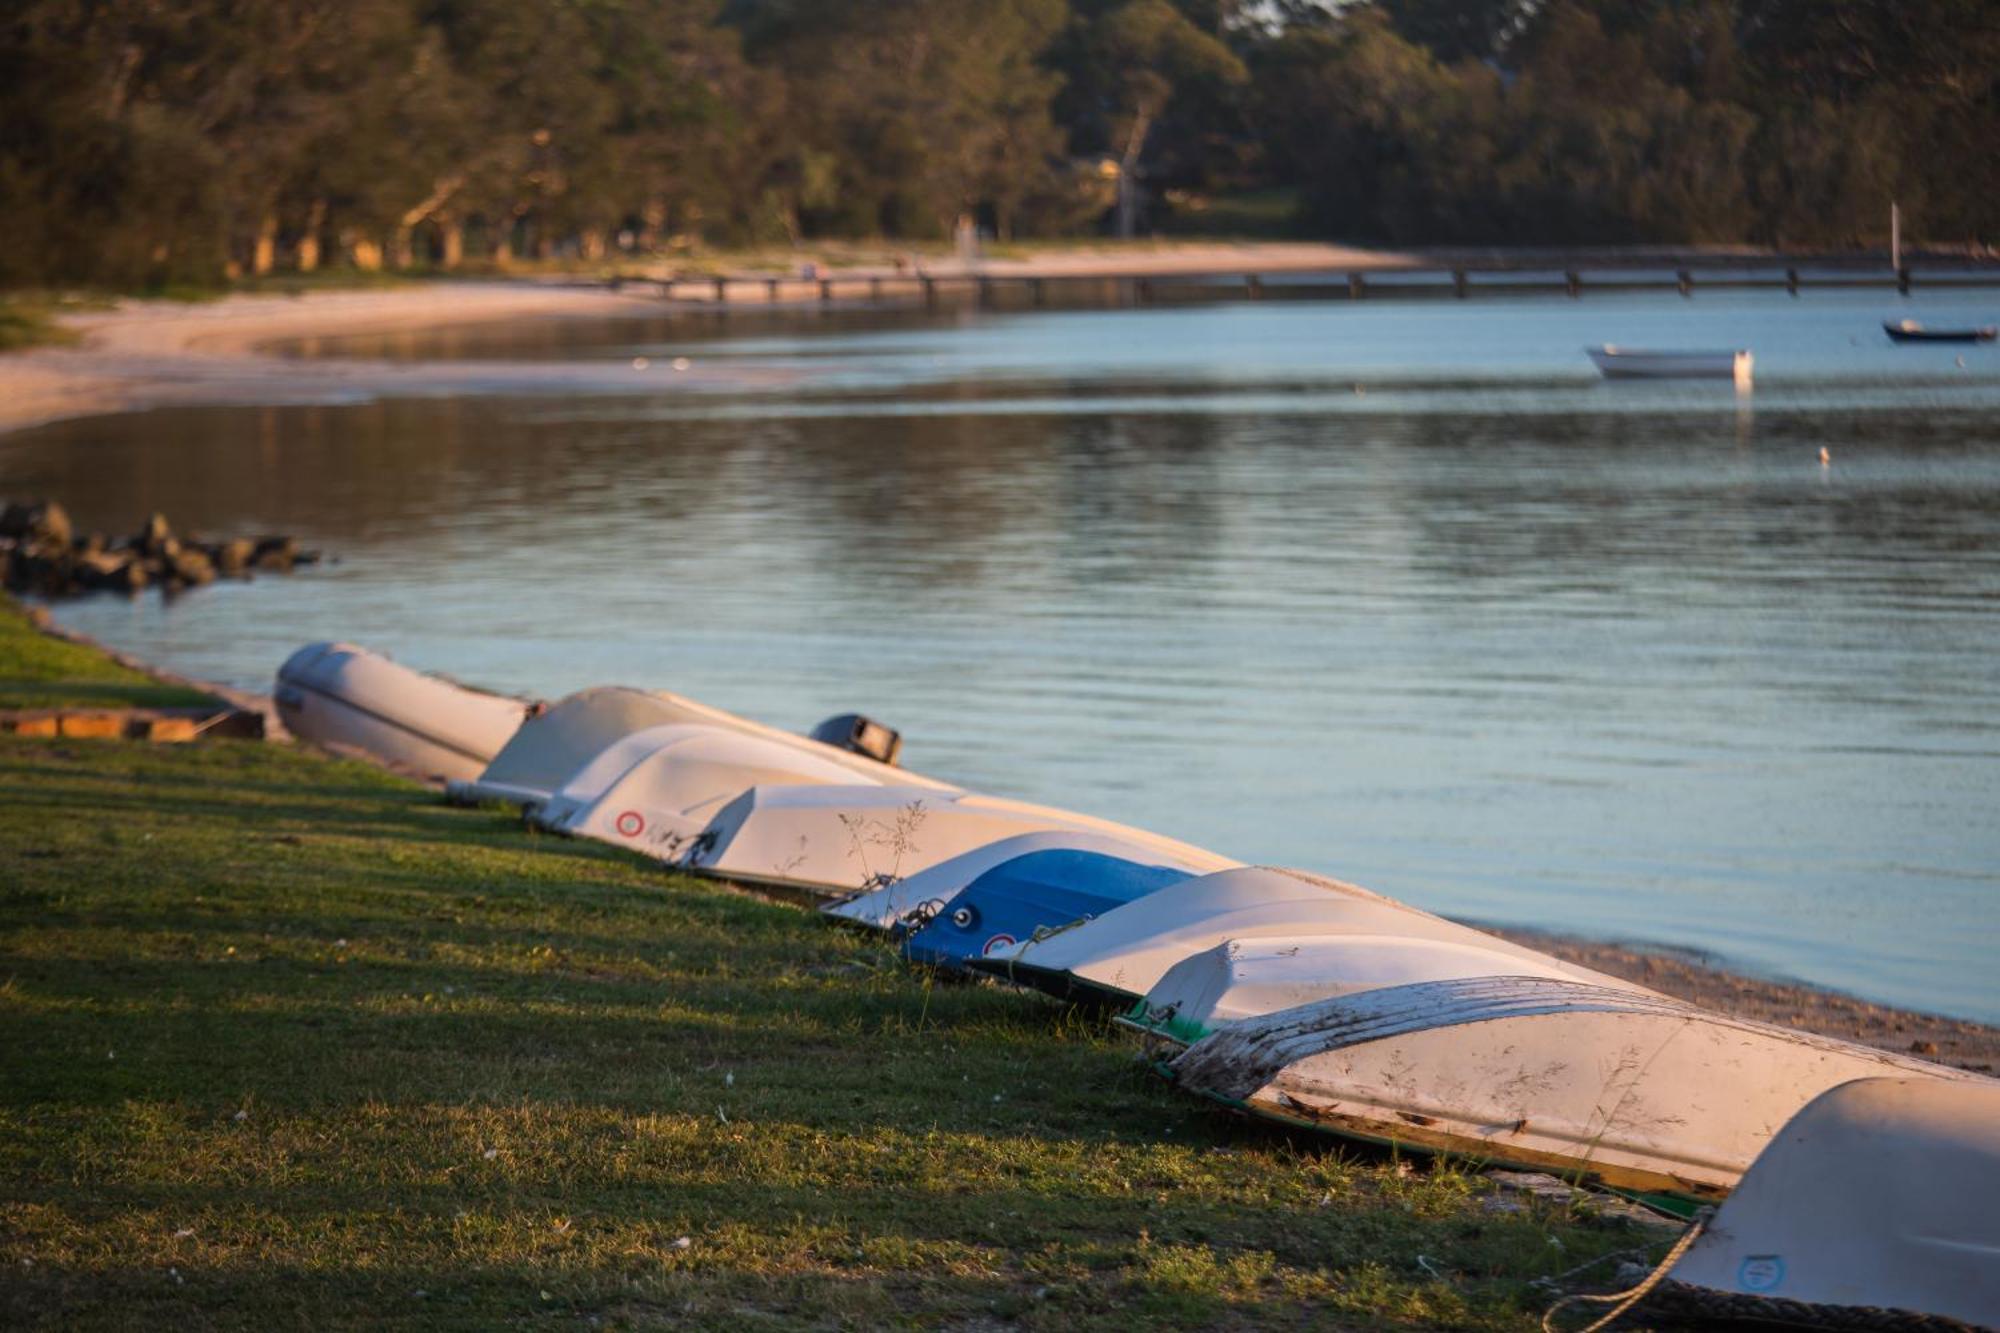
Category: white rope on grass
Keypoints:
(1625, 1300)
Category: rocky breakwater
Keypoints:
(41, 552)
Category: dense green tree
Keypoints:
(907, 114)
(1454, 30)
(1128, 62)
(147, 141)
(1611, 121)
(1913, 80)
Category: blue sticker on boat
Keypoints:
(1761, 1272)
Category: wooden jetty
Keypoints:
(1446, 280)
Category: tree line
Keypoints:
(168, 140)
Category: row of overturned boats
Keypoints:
(1849, 1178)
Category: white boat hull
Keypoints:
(1882, 1194)
(1124, 953)
(346, 697)
(1240, 979)
(555, 745)
(1631, 363)
(655, 790)
(841, 840)
(1637, 1091)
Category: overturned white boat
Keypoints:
(1639, 363)
(916, 897)
(346, 697)
(1878, 1197)
(553, 746)
(1634, 1090)
(839, 840)
(1124, 953)
(1241, 979)
(655, 790)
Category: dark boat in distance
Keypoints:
(1909, 331)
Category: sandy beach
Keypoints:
(141, 354)
(146, 354)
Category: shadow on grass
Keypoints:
(254, 806)
(299, 1032)
(99, 694)
(603, 920)
(663, 1288)
(928, 1210)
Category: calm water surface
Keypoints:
(1397, 591)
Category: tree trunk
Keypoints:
(309, 241)
(402, 249)
(1128, 189)
(652, 224)
(365, 251)
(453, 237)
(590, 245)
(120, 86)
(264, 255)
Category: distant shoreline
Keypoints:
(144, 354)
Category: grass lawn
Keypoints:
(37, 671)
(284, 1040)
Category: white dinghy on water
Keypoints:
(1636, 363)
(1882, 1195)
(553, 746)
(912, 899)
(1125, 953)
(346, 697)
(832, 841)
(1634, 1090)
(655, 790)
